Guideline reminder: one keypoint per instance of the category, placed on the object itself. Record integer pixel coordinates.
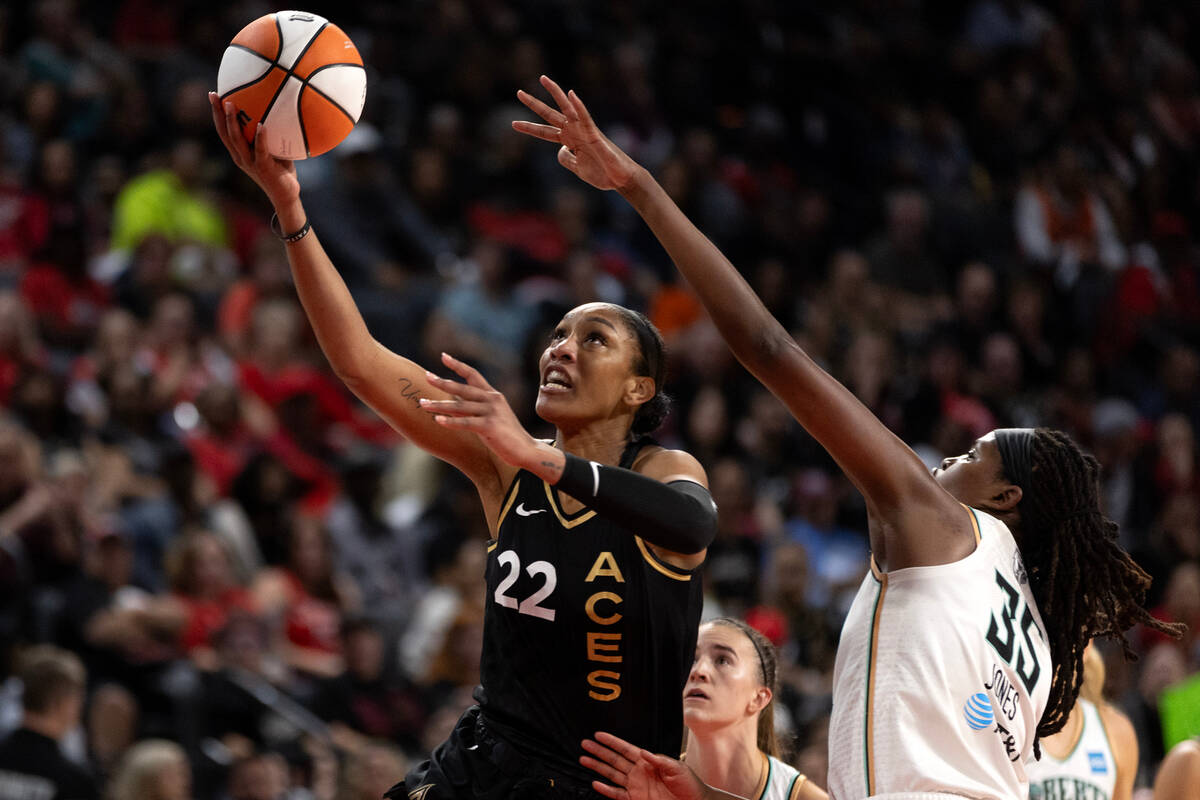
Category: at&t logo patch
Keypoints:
(977, 711)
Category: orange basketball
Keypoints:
(300, 76)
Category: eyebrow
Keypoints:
(602, 321)
(724, 647)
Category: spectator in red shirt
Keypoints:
(307, 400)
(66, 301)
(308, 599)
(204, 590)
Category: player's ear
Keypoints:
(1007, 498)
(762, 698)
(639, 389)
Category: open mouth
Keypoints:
(555, 380)
(695, 693)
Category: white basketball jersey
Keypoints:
(941, 678)
(1089, 771)
(778, 781)
(783, 781)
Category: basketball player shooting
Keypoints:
(988, 578)
(593, 600)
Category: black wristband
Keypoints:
(580, 478)
(289, 238)
(679, 516)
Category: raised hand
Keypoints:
(637, 774)
(275, 176)
(584, 149)
(476, 407)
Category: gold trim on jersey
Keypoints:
(764, 777)
(566, 522)
(513, 488)
(492, 544)
(871, 660)
(974, 523)
(653, 561)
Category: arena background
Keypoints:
(974, 214)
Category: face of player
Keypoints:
(587, 369)
(976, 478)
(725, 686)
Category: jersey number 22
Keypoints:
(530, 605)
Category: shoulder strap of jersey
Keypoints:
(635, 446)
(797, 784)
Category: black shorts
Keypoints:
(476, 763)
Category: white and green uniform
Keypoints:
(942, 675)
(783, 781)
(777, 781)
(1088, 772)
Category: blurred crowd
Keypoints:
(973, 214)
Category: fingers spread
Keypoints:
(471, 375)
(544, 111)
(547, 132)
(581, 111)
(610, 774)
(462, 391)
(607, 755)
(560, 98)
(630, 751)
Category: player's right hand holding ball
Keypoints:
(275, 176)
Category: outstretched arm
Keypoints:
(915, 521)
(387, 382)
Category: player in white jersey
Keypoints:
(1034, 493)
(728, 708)
(1095, 755)
(961, 716)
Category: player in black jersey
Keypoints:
(593, 603)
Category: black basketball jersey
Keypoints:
(585, 630)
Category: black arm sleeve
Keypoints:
(679, 516)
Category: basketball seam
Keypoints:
(259, 79)
(334, 103)
(270, 65)
(290, 73)
(279, 36)
(253, 51)
(300, 120)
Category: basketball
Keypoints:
(300, 76)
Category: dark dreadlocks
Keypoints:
(1084, 583)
